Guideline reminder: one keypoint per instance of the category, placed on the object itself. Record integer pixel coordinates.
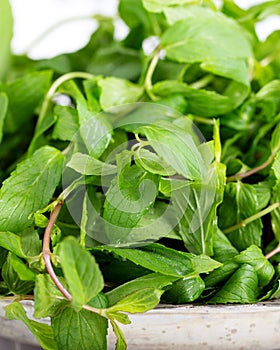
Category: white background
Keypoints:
(34, 17)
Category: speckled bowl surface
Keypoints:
(194, 327)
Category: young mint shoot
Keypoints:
(157, 181)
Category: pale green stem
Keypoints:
(203, 82)
(203, 120)
(56, 84)
(252, 218)
(267, 60)
(76, 183)
(148, 79)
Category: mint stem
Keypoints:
(148, 79)
(252, 218)
(47, 258)
(252, 171)
(273, 252)
(47, 252)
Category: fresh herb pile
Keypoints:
(114, 202)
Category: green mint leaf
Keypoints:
(276, 165)
(6, 30)
(254, 257)
(65, 116)
(196, 205)
(48, 299)
(223, 249)
(87, 165)
(152, 163)
(275, 138)
(159, 221)
(177, 148)
(135, 16)
(128, 62)
(275, 214)
(157, 258)
(95, 131)
(31, 243)
(241, 288)
(121, 343)
(201, 102)
(204, 264)
(3, 112)
(138, 301)
(158, 6)
(223, 46)
(41, 331)
(12, 279)
(80, 330)
(116, 92)
(119, 316)
(29, 188)
(263, 189)
(25, 94)
(241, 200)
(152, 280)
(221, 275)
(13, 243)
(24, 273)
(184, 290)
(81, 272)
(128, 199)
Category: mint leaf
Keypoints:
(241, 200)
(276, 165)
(95, 131)
(81, 272)
(138, 301)
(3, 112)
(158, 6)
(152, 163)
(128, 199)
(116, 92)
(184, 290)
(157, 258)
(254, 257)
(80, 330)
(275, 214)
(242, 287)
(121, 344)
(25, 94)
(65, 116)
(275, 138)
(223, 46)
(204, 264)
(24, 273)
(6, 30)
(196, 206)
(221, 274)
(41, 331)
(152, 280)
(13, 243)
(199, 101)
(223, 249)
(17, 283)
(87, 165)
(48, 299)
(177, 148)
(29, 188)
